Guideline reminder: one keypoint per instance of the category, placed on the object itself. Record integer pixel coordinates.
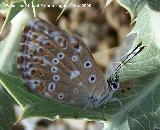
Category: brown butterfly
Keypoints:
(59, 66)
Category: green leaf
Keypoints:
(134, 6)
(154, 4)
(7, 114)
(141, 105)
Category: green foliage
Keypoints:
(7, 115)
(140, 109)
(134, 6)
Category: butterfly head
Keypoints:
(113, 83)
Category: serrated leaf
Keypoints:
(141, 105)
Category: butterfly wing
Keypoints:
(58, 64)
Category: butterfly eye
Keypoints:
(60, 55)
(51, 87)
(61, 96)
(92, 79)
(54, 69)
(87, 64)
(55, 61)
(114, 86)
(56, 78)
(74, 58)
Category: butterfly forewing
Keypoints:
(58, 64)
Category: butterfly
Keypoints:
(59, 66)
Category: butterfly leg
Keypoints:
(103, 113)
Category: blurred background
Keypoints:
(102, 33)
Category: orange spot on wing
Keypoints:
(40, 88)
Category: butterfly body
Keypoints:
(59, 66)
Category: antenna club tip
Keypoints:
(140, 44)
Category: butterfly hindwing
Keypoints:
(58, 64)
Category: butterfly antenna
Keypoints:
(137, 50)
